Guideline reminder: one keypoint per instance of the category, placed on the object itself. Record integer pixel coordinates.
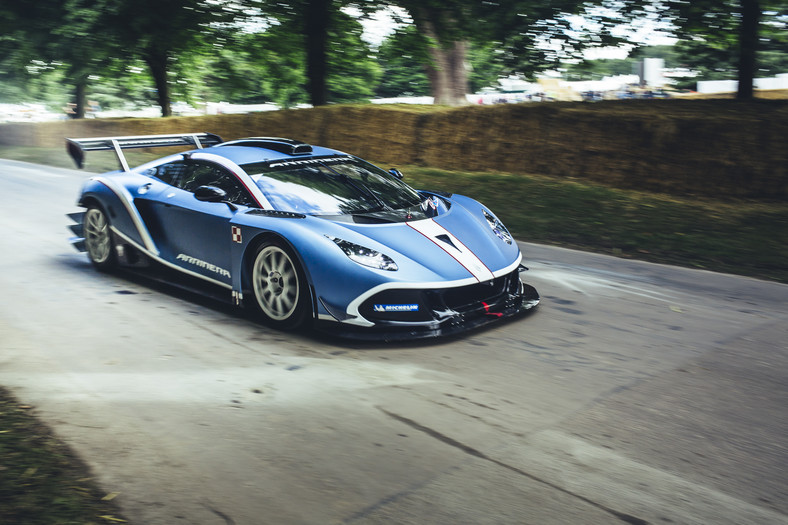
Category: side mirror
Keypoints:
(396, 173)
(210, 194)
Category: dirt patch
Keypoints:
(41, 480)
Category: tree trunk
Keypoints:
(448, 70)
(748, 43)
(81, 96)
(157, 63)
(316, 26)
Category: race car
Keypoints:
(303, 234)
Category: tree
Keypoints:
(352, 71)
(486, 66)
(81, 45)
(316, 41)
(316, 22)
(731, 32)
(58, 32)
(528, 35)
(162, 32)
(280, 57)
(323, 24)
(401, 56)
(445, 30)
(404, 55)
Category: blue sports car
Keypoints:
(303, 234)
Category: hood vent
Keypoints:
(445, 238)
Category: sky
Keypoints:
(380, 25)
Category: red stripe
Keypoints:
(435, 242)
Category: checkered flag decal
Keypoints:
(237, 234)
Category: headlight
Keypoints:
(497, 227)
(366, 256)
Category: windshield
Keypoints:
(330, 186)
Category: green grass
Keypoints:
(733, 236)
(41, 481)
(741, 237)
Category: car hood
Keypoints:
(456, 245)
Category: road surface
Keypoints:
(636, 393)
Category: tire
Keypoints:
(98, 239)
(280, 289)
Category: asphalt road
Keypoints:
(636, 393)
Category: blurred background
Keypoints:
(111, 58)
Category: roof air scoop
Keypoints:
(286, 146)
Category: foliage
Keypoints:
(534, 36)
(732, 38)
(511, 36)
(486, 66)
(56, 34)
(711, 47)
(401, 56)
(271, 64)
(276, 64)
(37, 81)
(282, 58)
(162, 32)
(152, 51)
(353, 72)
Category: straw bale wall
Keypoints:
(714, 148)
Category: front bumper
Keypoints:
(405, 314)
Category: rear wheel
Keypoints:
(98, 239)
(279, 286)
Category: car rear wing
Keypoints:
(77, 147)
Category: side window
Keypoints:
(204, 174)
(199, 174)
(171, 173)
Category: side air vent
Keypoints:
(287, 146)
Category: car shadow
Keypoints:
(160, 279)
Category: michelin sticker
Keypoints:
(396, 307)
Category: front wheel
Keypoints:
(98, 239)
(279, 286)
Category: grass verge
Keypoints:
(41, 480)
(740, 237)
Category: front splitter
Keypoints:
(452, 325)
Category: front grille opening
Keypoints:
(471, 295)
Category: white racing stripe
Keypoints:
(452, 245)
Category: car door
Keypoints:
(193, 234)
